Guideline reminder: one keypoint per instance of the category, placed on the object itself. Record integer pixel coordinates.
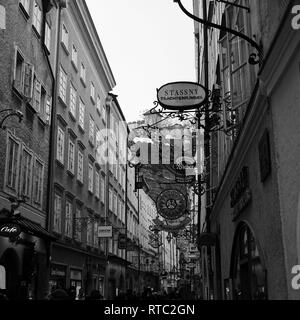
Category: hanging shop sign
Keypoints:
(171, 204)
(105, 231)
(241, 194)
(9, 230)
(182, 95)
(122, 241)
(174, 225)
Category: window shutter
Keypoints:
(37, 96)
(28, 80)
(48, 110)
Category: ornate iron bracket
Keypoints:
(12, 113)
(255, 58)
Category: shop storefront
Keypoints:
(24, 258)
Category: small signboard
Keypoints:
(122, 241)
(9, 230)
(105, 231)
(182, 95)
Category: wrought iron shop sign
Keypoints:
(9, 230)
(241, 194)
(182, 95)
(174, 225)
(171, 204)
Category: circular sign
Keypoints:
(182, 95)
(9, 230)
(171, 204)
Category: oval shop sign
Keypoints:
(182, 95)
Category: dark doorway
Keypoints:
(10, 262)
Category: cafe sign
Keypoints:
(182, 95)
(9, 230)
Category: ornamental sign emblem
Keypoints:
(171, 204)
(10, 230)
(182, 95)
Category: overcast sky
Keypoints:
(147, 43)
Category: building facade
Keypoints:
(253, 197)
(79, 196)
(27, 45)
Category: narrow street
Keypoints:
(149, 150)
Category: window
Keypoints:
(74, 56)
(69, 220)
(71, 158)
(102, 190)
(65, 37)
(73, 100)
(110, 199)
(26, 173)
(48, 36)
(115, 204)
(89, 232)
(81, 114)
(25, 4)
(91, 178)
(38, 182)
(37, 95)
(77, 231)
(104, 113)
(23, 76)
(57, 214)
(96, 239)
(63, 85)
(80, 167)
(97, 185)
(82, 73)
(48, 110)
(92, 131)
(12, 164)
(92, 91)
(43, 105)
(99, 104)
(120, 209)
(37, 17)
(60, 145)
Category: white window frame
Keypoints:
(97, 185)
(63, 83)
(71, 156)
(69, 219)
(48, 36)
(57, 217)
(80, 166)
(37, 17)
(81, 116)
(92, 130)
(73, 100)
(91, 178)
(60, 150)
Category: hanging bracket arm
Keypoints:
(252, 58)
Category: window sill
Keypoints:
(74, 66)
(93, 100)
(35, 31)
(80, 182)
(83, 82)
(81, 129)
(72, 116)
(70, 173)
(60, 164)
(24, 11)
(62, 102)
(65, 48)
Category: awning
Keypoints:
(30, 227)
